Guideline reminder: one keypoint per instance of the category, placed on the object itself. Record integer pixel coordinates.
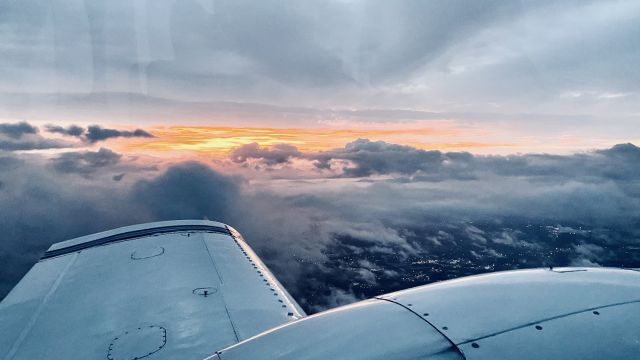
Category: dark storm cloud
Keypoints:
(85, 162)
(16, 130)
(48, 206)
(190, 191)
(96, 133)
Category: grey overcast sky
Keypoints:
(531, 66)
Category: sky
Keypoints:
(368, 137)
(500, 77)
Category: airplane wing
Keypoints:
(194, 289)
(563, 314)
(174, 290)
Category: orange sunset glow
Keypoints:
(220, 140)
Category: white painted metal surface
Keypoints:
(79, 305)
(493, 316)
(531, 314)
(613, 333)
(188, 289)
(476, 306)
(133, 228)
(368, 330)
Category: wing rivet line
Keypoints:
(269, 282)
(439, 330)
(552, 318)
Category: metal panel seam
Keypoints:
(213, 262)
(453, 344)
(36, 314)
(548, 319)
(226, 309)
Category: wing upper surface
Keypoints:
(564, 313)
(570, 313)
(188, 289)
(183, 291)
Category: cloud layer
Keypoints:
(363, 158)
(381, 217)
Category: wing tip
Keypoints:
(131, 232)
